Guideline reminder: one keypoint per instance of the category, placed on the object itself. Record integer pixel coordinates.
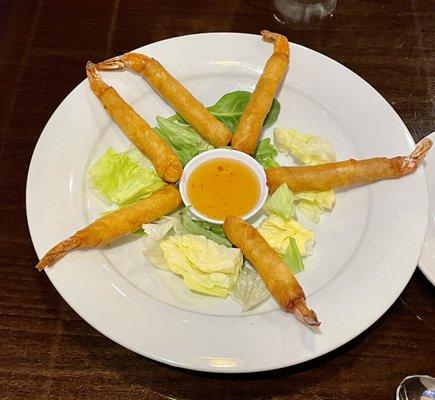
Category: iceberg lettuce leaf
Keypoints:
(277, 232)
(314, 204)
(307, 148)
(250, 290)
(205, 266)
(281, 203)
(120, 180)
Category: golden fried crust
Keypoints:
(346, 173)
(280, 281)
(127, 220)
(193, 111)
(117, 224)
(249, 129)
(334, 175)
(165, 161)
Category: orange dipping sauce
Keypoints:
(222, 187)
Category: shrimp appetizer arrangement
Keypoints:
(141, 182)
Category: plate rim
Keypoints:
(423, 262)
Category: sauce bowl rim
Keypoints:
(209, 155)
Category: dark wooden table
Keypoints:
(46, 350)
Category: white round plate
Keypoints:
(366, 250)
(427, 258)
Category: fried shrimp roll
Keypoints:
(117, 224)
(346, 173)
(277, 277)
(249, 129)
(164, 159)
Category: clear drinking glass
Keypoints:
(416, 387)
(303, 14)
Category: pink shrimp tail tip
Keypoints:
(98, 86)
(421, 150)
(306, 316)
(410, 163)
(280, 43)
(57, 252)
(91, 70)
(113, 63)
(133, 61)
(268, 36)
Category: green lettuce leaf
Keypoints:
(292, 257)
(230, 108)
(187, 142)
(121, 180)
(183, 139)
(281, 203)
(210, 231)
(265, 153)
(135, 154)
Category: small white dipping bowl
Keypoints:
(248, 161)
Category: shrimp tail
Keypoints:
(411, 162)
(421, 150)
(58, 251)
(134, 61)
(112, 64)
(280, 42)
(305, 315)
(268, 36)
(98, 86)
